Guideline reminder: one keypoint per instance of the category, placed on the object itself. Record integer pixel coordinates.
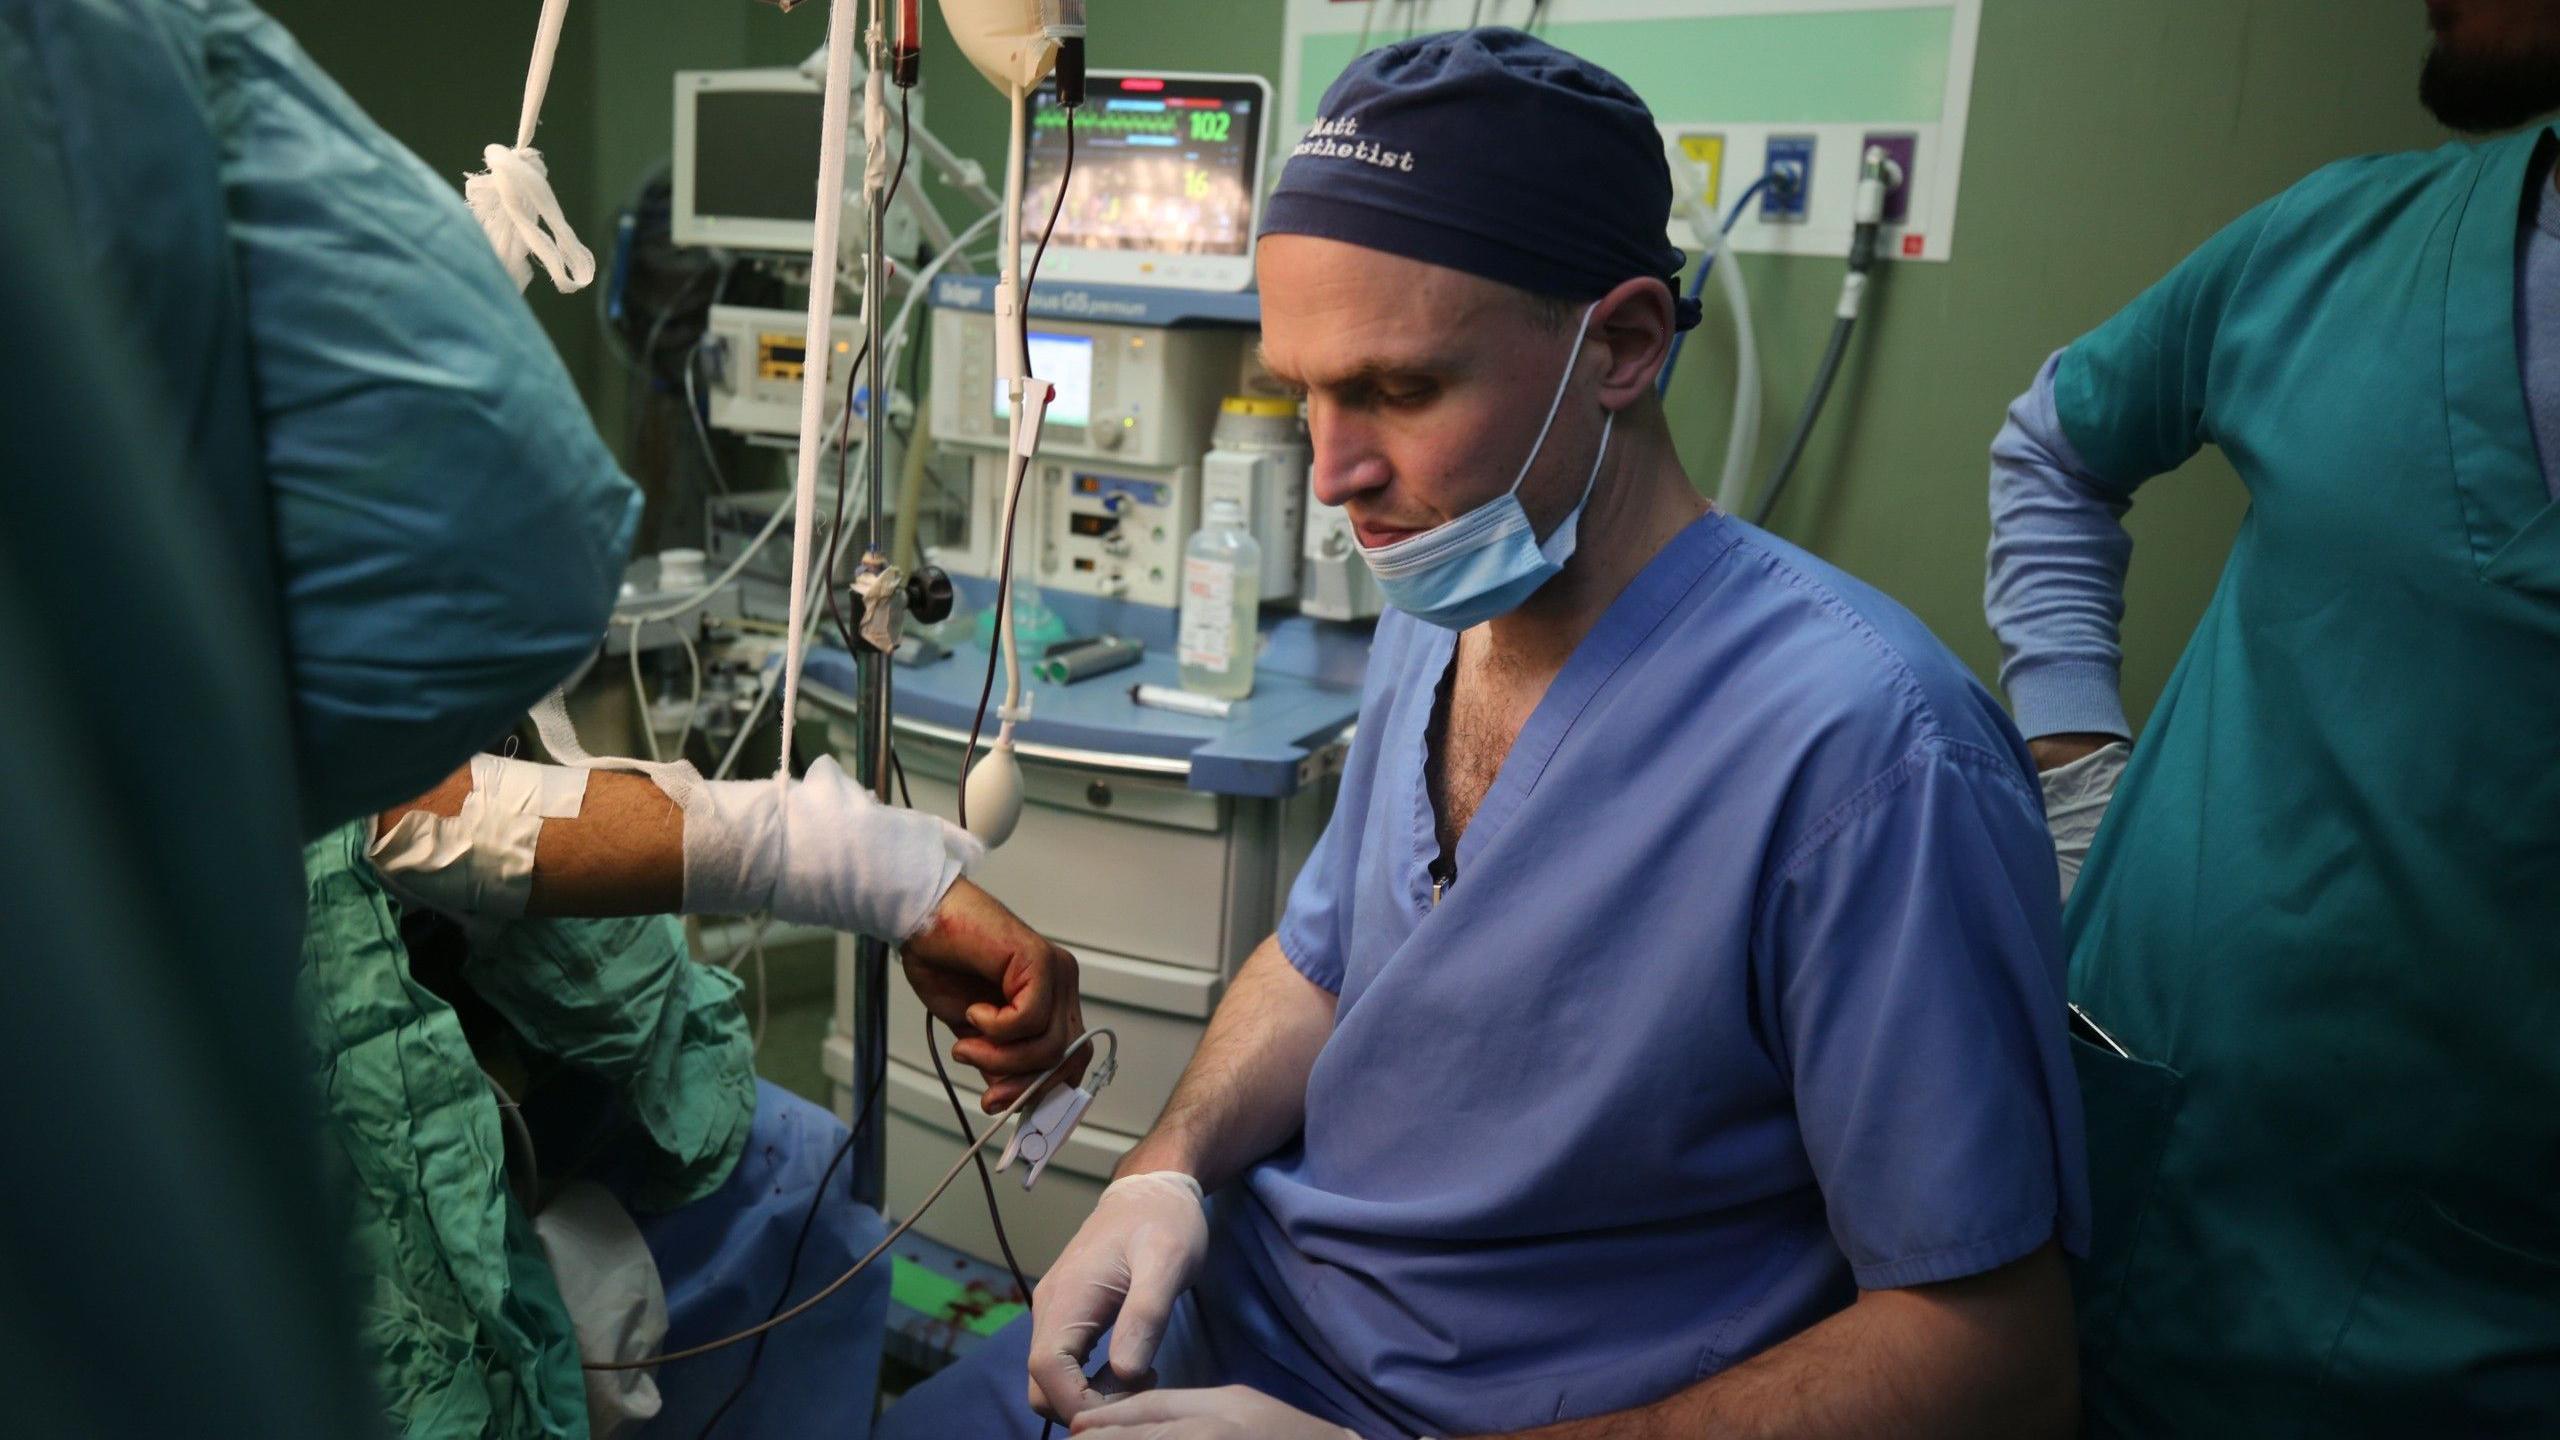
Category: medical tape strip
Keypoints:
(677, 779)
(480, 860)
(884, 606)
(520, 787)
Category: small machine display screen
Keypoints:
(1163, 164)
(1096, 525)
(755, 154)
(1065, 361)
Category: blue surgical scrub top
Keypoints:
(1748, 995)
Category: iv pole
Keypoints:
(1013, 42)
(871, 664)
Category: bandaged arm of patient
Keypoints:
(508, 837)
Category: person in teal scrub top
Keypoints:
(2318, 932)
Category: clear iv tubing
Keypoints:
(698, 598)
(1018, 466)
(1081, 1042)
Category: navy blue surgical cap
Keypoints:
(1492, 152)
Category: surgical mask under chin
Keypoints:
(1484, 563)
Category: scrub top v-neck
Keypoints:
(1748, 995)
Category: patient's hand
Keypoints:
(1009, 996)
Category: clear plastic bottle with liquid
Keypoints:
(1221, 596)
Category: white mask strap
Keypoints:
(1553, 406)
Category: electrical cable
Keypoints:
(737, 954)
(1004, 563)
(1012, 1111)
(844, 421)
(693, 412)
(986, 1181)
(608, 296)
(640, 693)
(808, 1221)
(1823, 378)
(640, 698)
(692, 707)
(790, 1273)
(826, 573)
(718, 274)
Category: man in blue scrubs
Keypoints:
(2320, 918)
(1667, 1036)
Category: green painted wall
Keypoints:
(2108, 138)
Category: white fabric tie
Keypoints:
(837, 109)
(512, 199)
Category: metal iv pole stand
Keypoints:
(872, 767)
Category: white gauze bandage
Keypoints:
(814, 851)
(480, 860)
(820, 851)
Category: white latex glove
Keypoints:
(2075, 800)
(819, 851)
(1122, 1272)
(1230, 1413)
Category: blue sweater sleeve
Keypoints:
(2055, 587)
(2130, 400)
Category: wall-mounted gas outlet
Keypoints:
(1790, 172)
(1905, 152)
(1705, 150)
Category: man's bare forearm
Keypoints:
(1989, 1357)
(621, 854)
(1244, 1093)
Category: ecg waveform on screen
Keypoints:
(1109, 124)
